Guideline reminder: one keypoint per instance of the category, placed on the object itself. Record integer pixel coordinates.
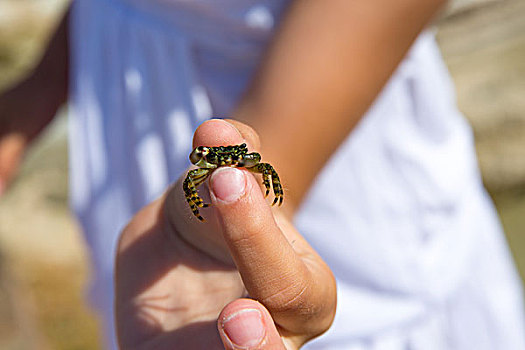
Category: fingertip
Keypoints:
(248, 133)
(243, 329)
(240, 204)
(219, 132)
(247, 324)
(227, 184)
(216, 132)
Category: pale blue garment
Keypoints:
(410, 234)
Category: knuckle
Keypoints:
(301, 300)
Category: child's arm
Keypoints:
(327, 64)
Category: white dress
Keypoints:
(412, 237)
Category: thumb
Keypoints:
(271, 270)
(247, 324)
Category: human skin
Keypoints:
(178, 279)
(328, 62)
(325, 66)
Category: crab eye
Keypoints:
(195, 156)
(198, 153)
(250, 160)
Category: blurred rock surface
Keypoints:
(43, 265)
(484, 49)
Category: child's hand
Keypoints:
(246, 271)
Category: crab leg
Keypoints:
(267, 175)
(268, 172)
(194, 178)
(277, 187)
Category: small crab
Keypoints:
(210, 158)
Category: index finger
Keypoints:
(206, 236)
(225, 132)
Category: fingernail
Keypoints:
(228, 184)
(244, 328)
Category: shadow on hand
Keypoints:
(167, 291)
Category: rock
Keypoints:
(484, 49)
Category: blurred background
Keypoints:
(43, 265)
